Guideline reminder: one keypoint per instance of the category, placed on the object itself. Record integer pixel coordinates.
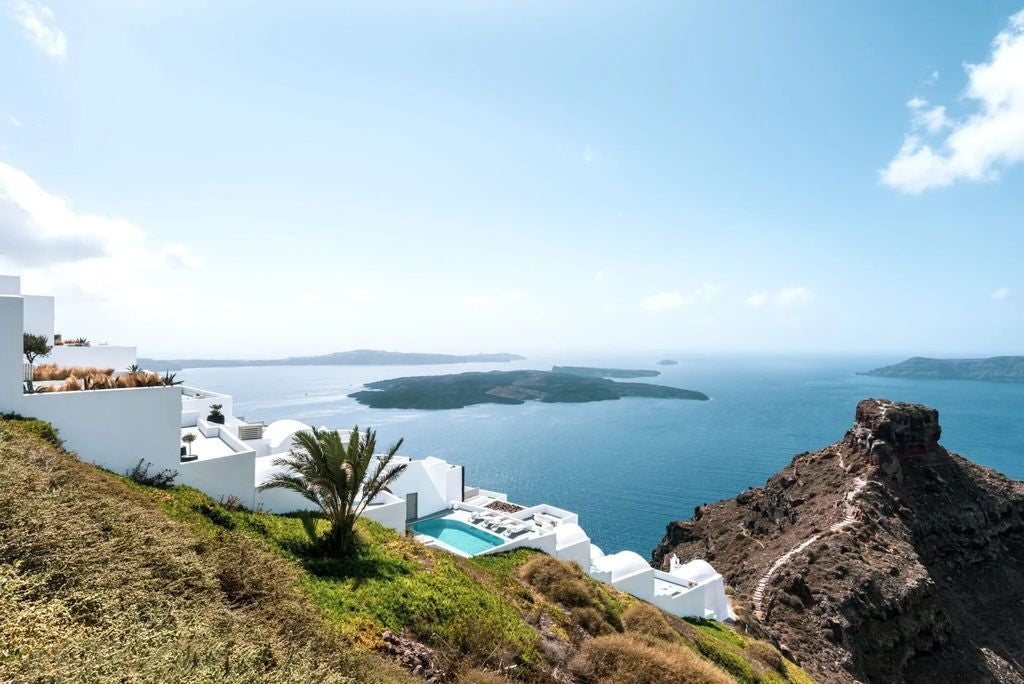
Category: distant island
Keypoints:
(605, 372)
(995, 369)
(506, 387)
(357, 357)
(668, 362)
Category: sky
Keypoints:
(248, 179)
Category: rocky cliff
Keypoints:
(880, 558)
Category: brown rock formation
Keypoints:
(881, 558)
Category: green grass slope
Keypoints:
(104, 579)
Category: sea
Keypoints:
(631, 466)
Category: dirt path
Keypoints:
(849, 519)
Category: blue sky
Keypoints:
(237, 179)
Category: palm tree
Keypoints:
(337, 477)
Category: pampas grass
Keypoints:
(51, 371)
(76, 379)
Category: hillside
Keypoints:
(880, 558)
(356, 357)
(105, 579)
(994, 369)
(434, 392)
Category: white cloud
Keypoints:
(40, 228)
(757, 299)
(57, 248)
(666, 301)
(977, 146)
(931, 119)
(179, 256)
(1001, 294)
(14, 122)
(787, 296)
(590, 154)
(793, 295)
(39, 24)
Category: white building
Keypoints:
(231, 457)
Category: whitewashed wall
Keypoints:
(98, 356)
(435, 483)
(194, 408)
(10, 285)
(39, 315)
(390, 514)
(221, 477)
(11, 358)
(114, 428)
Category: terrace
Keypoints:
(211, 442)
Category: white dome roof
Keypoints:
(279, 433)
(623, 564)
(696, 571)
(568, 534)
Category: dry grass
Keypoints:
(97, 584)
(644, 619)
(51, 371)
(588, 602)
(101, 380)
(767, 654)
(621, 659)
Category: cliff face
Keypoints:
(880, 558)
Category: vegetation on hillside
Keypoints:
(103, 576)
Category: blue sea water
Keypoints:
(629, 467)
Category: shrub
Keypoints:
(591, 621)
(232, 503)
(767, 654)
(621, 659)
(140, 474)
(643, 618)
(51, 371)
(85, 378)
(566, 584)
(39, 428)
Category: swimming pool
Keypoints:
(458, 534)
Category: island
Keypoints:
(668, 362)
(356, 357)
(994, 369)
(605, 372)
(506, 387)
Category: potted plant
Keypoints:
(188, 438)
(215, 415)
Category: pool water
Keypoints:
(458, 534)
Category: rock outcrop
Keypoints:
(881, 558)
